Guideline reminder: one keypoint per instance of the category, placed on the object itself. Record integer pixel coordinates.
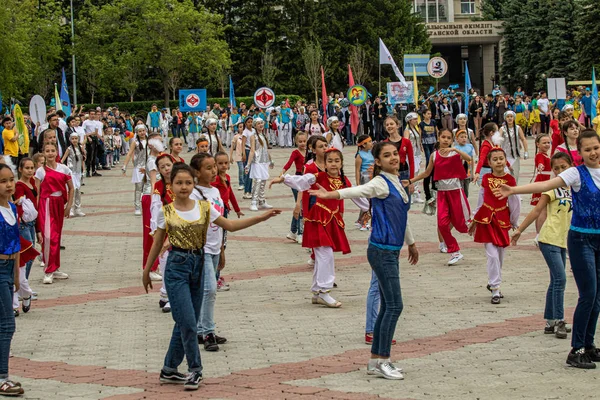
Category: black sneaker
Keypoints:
(96, 174)
(220, 339)
(87, 174)
(593, 353)
(561, 330)
(549, 330)
(580, 359)
(193, 381)
(172, 377)
(210, 342)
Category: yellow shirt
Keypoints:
(596, 123)
(10, 148)
(555, 229)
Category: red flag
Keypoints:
(287, 103)
(353, 109)
(324, 94)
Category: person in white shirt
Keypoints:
(92, 132)
(544, 106)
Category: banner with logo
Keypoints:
(399, 93)
(191, 100)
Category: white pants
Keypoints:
(285, 134)
(324, 271)
(495, 257)
(516, 166)
(24, 289)
(162, 265)
(272, 136)
(191, 140)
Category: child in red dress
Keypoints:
(452, 204)
(542, 163)
(494, 218)
(324, 223)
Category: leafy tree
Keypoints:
(268, 68)
(492, 9)
(587, 39)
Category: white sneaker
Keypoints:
(167, 307)
(265, 206)
(291, 236)
(48, 279)
(79, 213)
(311, 261)
(388, 371)
(71, 214)
(299, 239)
(253, 207)
(371, 366)
(443, 248)
(137, 212)
(456, 257)
(60, 275)
(155, 276)
(240, 188)
(42, 264)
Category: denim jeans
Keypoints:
(386, 266)
(27, 230)
(296, 226)
(556, 258)
(7, 315)
(428, 150)
(247, 180)
(584, 252)
(240, 165)
(183, 281)
(372, 303)
(206, 321)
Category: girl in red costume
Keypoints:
(452, 204)
(324, 223)
(55, 189)
(494, 218)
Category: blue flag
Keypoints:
(467, 88)
(594, 94)
(231, 93)
(64, 95)
(431, 89)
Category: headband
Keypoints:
(165, 155)
(210, 121)
(509, 112)
(459, 132)
(257, 121)
(461, 116)
(331, 120)
(568, 107)
(331, 149)
(366, 140)
(410, 116)
(140, 127)
(74, 134)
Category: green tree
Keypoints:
(558, 47)
(16, 58)
(587, 39)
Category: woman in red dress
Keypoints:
(324, 223)
(51, 181)
(494, 218)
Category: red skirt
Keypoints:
(331, 235)
(492, 226)
(27, 253)
(535, 198)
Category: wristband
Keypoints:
(409, 182)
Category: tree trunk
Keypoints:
(92, 97)
(131, 98)
(317, 98)
(166, 92)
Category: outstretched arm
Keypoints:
(239, 224)
(537, 187)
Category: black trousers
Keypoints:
(91, 150)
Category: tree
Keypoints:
(558, 46)
(312, 55)
(587, 39)
(268, 68)
(492, 9)
(359, 62)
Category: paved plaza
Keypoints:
(98, 335)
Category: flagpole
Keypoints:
(379, 91)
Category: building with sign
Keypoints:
(455, 33)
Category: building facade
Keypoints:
(457, 33)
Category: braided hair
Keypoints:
(516, 146)
(336, 151)
(163, 194)
(563, 129)
(195, 165)
(312, 142)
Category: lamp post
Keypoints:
(509, 83)
(73, 57)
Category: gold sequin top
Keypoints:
(189, 235)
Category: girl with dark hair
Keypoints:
(514, 141)
(138, 152)
(570, 133)
(214, 143)
(389, 207)
(314, 127)
(297, 158)
(541, 164)
(73, 158)
(324, 223)
(176, 147)
(259, 163)
(155, 148)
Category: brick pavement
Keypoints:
(97, 335)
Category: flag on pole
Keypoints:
(64, 95)
(353, 109)
(323, 94)
(594, 95)
(231, 93)
(57, 103)
(386, 58)
(415, 87)
(467, 88)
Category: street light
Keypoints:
(509, 82)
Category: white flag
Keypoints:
(386, 58)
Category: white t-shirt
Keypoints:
(40, 174)
(214, 236)
(248, 135)
(8, 214)
(543, 105)
(190, 216)
(81, 132)
(572, 178)
(89, 126)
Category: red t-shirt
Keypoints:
(226, 192)
(297, 158)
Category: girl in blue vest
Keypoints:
(389, 209)
(583, 243)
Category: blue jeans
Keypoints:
(7, 315)
(116, 155)
(296, 222)
(556, 258)
(183, 281)
(206, 321)
(27, 230)
(240, 165)
(584, 252)
(247, 180)
(372, 303)
(428, 149)
(386, 266)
